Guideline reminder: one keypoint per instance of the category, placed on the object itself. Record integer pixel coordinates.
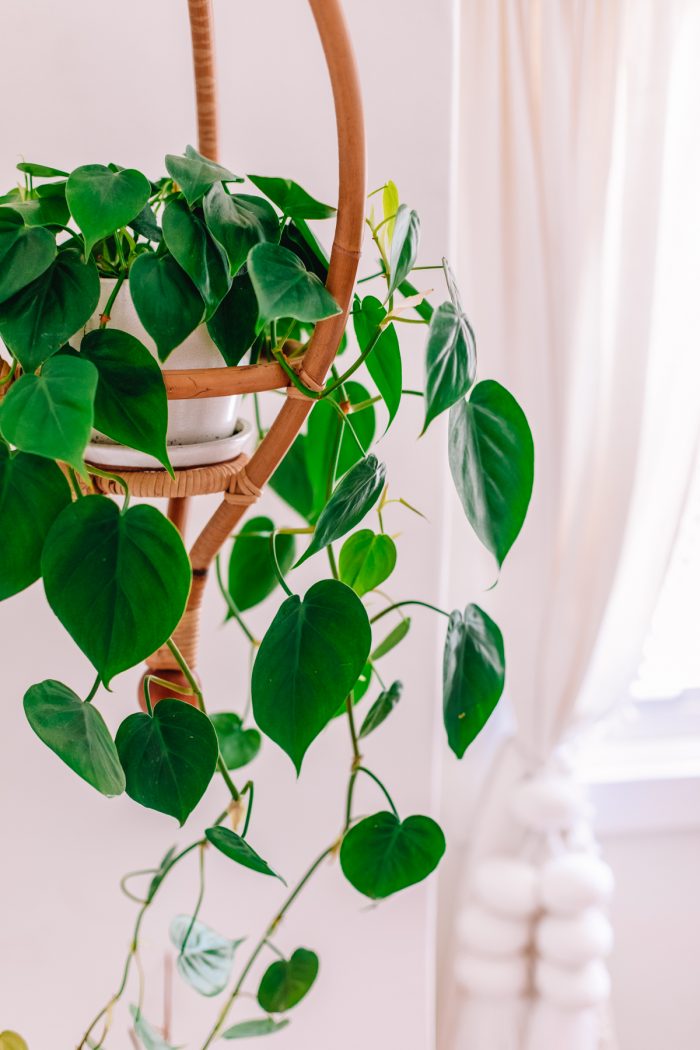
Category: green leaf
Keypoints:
(384, 361)
(382, 855)
(149, 1037)
(354, 495)
(25, 253)
(131, 405)
(102, 201)
(291, 199)
(237, 849)
(33, 492)
(238, 746)
(239, 222)
(396, 635)
(286, 982)
(404, 246)
(168, 304)
(145, 224)
(169, 758)
(251, 570)
(291, 479)
(450, 361)
(381, 708)
(473, 675)
(366, 560)
(299, 239)
(41, 171)
(285, 288)
(233, 326)
(390, 206)
(324, 423)
(51, 414)
(249, 1029)
(195, 174)
(362, 684)
(118, 582)
(309, 660)
(12, 1041)
(424, 308)
(45, 206)
(205, 959)
(41, 318)
(196, 251)
(491, 458)
(76, 732)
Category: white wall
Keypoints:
(86, 82)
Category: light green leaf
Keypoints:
(168, 304)
(251, 571)
(366, 560)
(196, 251)
(205, 959)
(286, 982)
(25, 253)
(40, 171)
(390, 206)
(12, 1041)
(195, 174)
(354, 495)
(102, 201)
(381, 708)
(291, 199)
(249, 1029)
(382, 855)
(450, 361)
(238, 222)
(396, 635)
(384, 361)
(239, 850)
(404, 246)
(473, 675)
(44, 206)
(285, 288)
(238, 746)
(149, 1037)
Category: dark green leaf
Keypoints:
(492, 463)
(381, 708)
(25, 252)
(51, 414)
(238, 222)
(309, 660)
(404, 246)
(285, 288)
(238, 746)
(354, 495)
(37, 321)
(237, 849)
(324, 423)
(168, 304)
(286, 982)
(205, 958)
(291, 479)
(362, 684)
(33, 492)
(382, 855)
(473, 675)
(169, 757)
(196, 251)
(291, 199)
(396, 635)
(366, 560)
(41, 171)
(384, 361)
(118, 582)
(450, 361)
(131, 405)
(44, 206)
(251, 571)
(77, 733)
(298, 238)
(248, 1029)
(102, 201)
(233, 326)
(146, 225)
(195, 174)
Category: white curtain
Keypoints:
(578, 184)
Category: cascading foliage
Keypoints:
(195, 251)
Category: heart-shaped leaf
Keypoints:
(145, 224)
(131, 405)
(382, 855)
(195, 174)
(381, 708)
(25, 252)
(473, 675)
(285, 288)
(291, 199)
(149, 1037)
(396, 635)
(237, 849)
(205, 958)
(44, 206)
(492, 463)
(404, 245)
(76, 732)
(366, 560)
(51, 414)
(41, 318)
(309, 660)
(102, 201)
(33, 492)
(450, 360)
(118, 582)
(238, 222)
(251, 570)
(168, 304)
(384, 361)
(286, 982)
(196, 251)
(301, 240)
(169, 757)
(354, 495)
(238, 746)
(233, 325)
(248, 1029)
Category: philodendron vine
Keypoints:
(195, 251)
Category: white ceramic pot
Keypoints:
(191, 422)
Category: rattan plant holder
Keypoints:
(241, 481)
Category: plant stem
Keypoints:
(377, 781)
(232, 605)
(113, 477)
(250, 790)
(356, 364)
(105, 316)
(282, 361)
(200, 896)
(276, 565)
(356, 756)
(93, 692)
(409, 601)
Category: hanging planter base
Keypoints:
(109, 456)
